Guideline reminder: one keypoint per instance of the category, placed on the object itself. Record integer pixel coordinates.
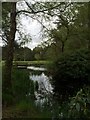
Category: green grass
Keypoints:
(23, 106)
(40, 62)
(31, 62)
(25, 109)
(0, 63)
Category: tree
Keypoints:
(5, 21)
(61, 33)
(48, 11)
(10, 47)
(71, 32)
(79, 30)
(89, 25)
(9, 30)
(60, 36)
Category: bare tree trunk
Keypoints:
(10, 50)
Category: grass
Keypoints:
(26, 63)
(23, 106)
(31, 62)
(25, 109)
(0, 63)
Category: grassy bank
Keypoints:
(23, 104)
(27, 63)
(31, 62)
(25, 109)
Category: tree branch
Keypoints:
(30, 7)
(35, 12)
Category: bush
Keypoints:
(71, 72)
(79, 106)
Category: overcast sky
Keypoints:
(30, 26)
(33, 28)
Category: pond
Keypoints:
(44, 96)
(42, 91)
(44, 88)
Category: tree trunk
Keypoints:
(89, 25)
(89, 40)
(62, 47)
(10, 50)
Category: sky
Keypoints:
(33, 28)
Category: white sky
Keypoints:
(30, 26)
(33, 28)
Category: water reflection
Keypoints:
(43, 81)
(36, 68)
(45, 88)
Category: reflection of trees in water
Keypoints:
(62, 90)
(44, 97)
(42, 88)
(33, 72)
(43, 81)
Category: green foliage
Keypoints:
(22, 86)
(59, 34)
(32, 90)
(6, 99)
(26, 109)
(71, 72)
(79, 106)
(20, 83)
(26, 56)
(6, 93)
(37, 56)
(25, 63)
(5, 16)
(23, 97)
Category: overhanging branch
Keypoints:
(35, 12)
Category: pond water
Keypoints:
(45, 89)
(41, 92)
(44, 96)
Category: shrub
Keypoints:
(79, 106)
(71, 72)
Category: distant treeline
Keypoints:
(26, 54)
(49, 52)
